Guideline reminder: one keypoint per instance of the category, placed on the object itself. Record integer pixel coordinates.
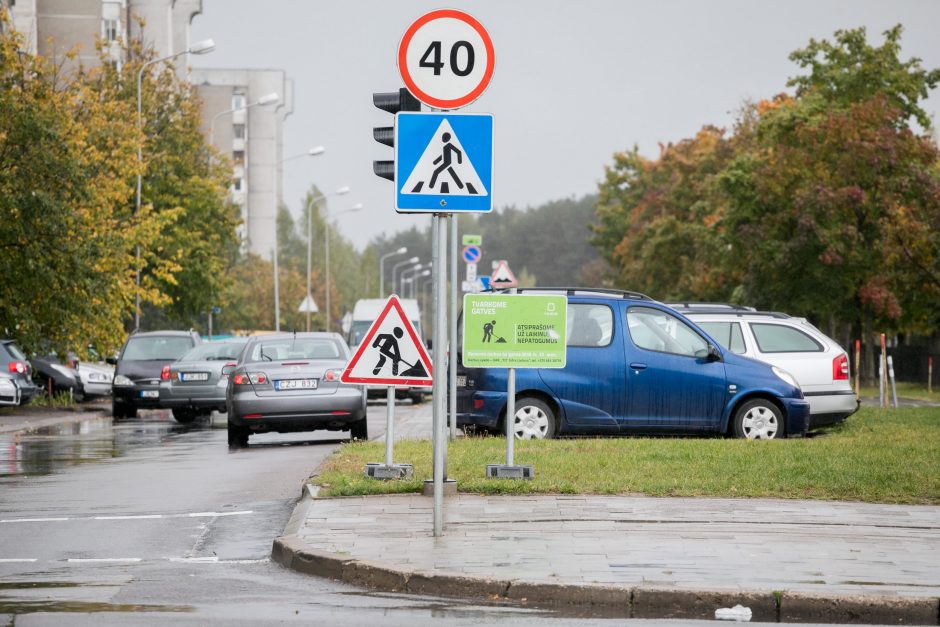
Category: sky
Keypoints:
(575, 81)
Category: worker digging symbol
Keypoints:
(488, 333)
(388, 348)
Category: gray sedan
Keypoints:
(291, 382)
(194, 385)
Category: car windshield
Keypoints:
(296, 348)
(161, 348)
(214, 351)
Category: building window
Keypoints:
(238, 101)
(111, 30)
(238, 131)
(237, 185)
(238, 158)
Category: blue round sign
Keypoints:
(472, 254)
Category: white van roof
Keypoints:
(370, 308)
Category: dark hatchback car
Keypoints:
(635, 366)
(17, 386)
(291, 382)
(140, 365)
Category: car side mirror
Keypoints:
(713, 353)
(228, 369)
(111, 360)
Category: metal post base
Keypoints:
(375, 470)
(501, 471)
(450, 487)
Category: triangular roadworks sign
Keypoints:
(391, 352)
(502, 276)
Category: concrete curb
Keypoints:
(619, 602)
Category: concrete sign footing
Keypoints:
(450, 487)
(501, 471)
(395, 471)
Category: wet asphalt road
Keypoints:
(148, 522)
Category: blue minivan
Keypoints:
(635, 366)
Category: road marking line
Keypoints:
(94, 560)
(128, 517)
(17, 560)
(16, 520)
(212, 514)
(140, 517)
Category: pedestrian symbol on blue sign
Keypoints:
(444, 162)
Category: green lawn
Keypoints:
(890, 456)
(916, 391)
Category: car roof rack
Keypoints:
(577, 291)
(724, 308)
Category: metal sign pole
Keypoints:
(438, 388)
(389, 424)
(452, 362)
(510, 416)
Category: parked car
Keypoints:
(635, 366)
(51, 375)
(17, 370)
(291, 382)
(194, 385)
(820, 365)
(139, 367)
(9, 391)
(96, 378)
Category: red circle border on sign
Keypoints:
(455, 103)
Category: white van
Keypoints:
(364, 314)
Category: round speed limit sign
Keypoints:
(446, 59)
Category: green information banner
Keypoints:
(514, 330)
(472, 240)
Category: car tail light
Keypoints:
(165, 373)
(840, 368)
(333, 374)
(17, 366)
(478, 403)
(256, 378)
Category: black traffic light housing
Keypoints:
(393, 102)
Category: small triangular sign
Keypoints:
(502, 276)
(308, 305)
(391, 352)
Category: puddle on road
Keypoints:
(86, 607)
(48, 449)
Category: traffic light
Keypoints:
(393, 102)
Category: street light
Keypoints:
(312, 152)
(398, 265)
(356, 207)
(414, 269)
(267, 99)
(338, 192)
(200, 47)
(400, 251)
(415, 280)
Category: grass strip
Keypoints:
(876, 456)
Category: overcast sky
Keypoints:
(575, 81)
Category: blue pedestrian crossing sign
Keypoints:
(443, 162)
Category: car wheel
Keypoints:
(359, 430)
(533, 420)
(184, 415)
(237, 436)
(758, 419)
(417, 398)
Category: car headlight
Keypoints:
(122, 381)
(786, 376)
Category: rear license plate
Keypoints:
(194, 376)
(150, 394)
(461, 381)
(295, 384)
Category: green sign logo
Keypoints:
(514, 330)
(472, 240)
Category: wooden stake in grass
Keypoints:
(858, 366)
(930, 375)
(883, 374)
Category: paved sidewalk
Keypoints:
(632, 556)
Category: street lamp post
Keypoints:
(414, 282)
(398, 265)
(267, 99)
(400, 251)
(413, 269)
(356, 207)
(338, 192)
(201, 47)
(312, 152)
